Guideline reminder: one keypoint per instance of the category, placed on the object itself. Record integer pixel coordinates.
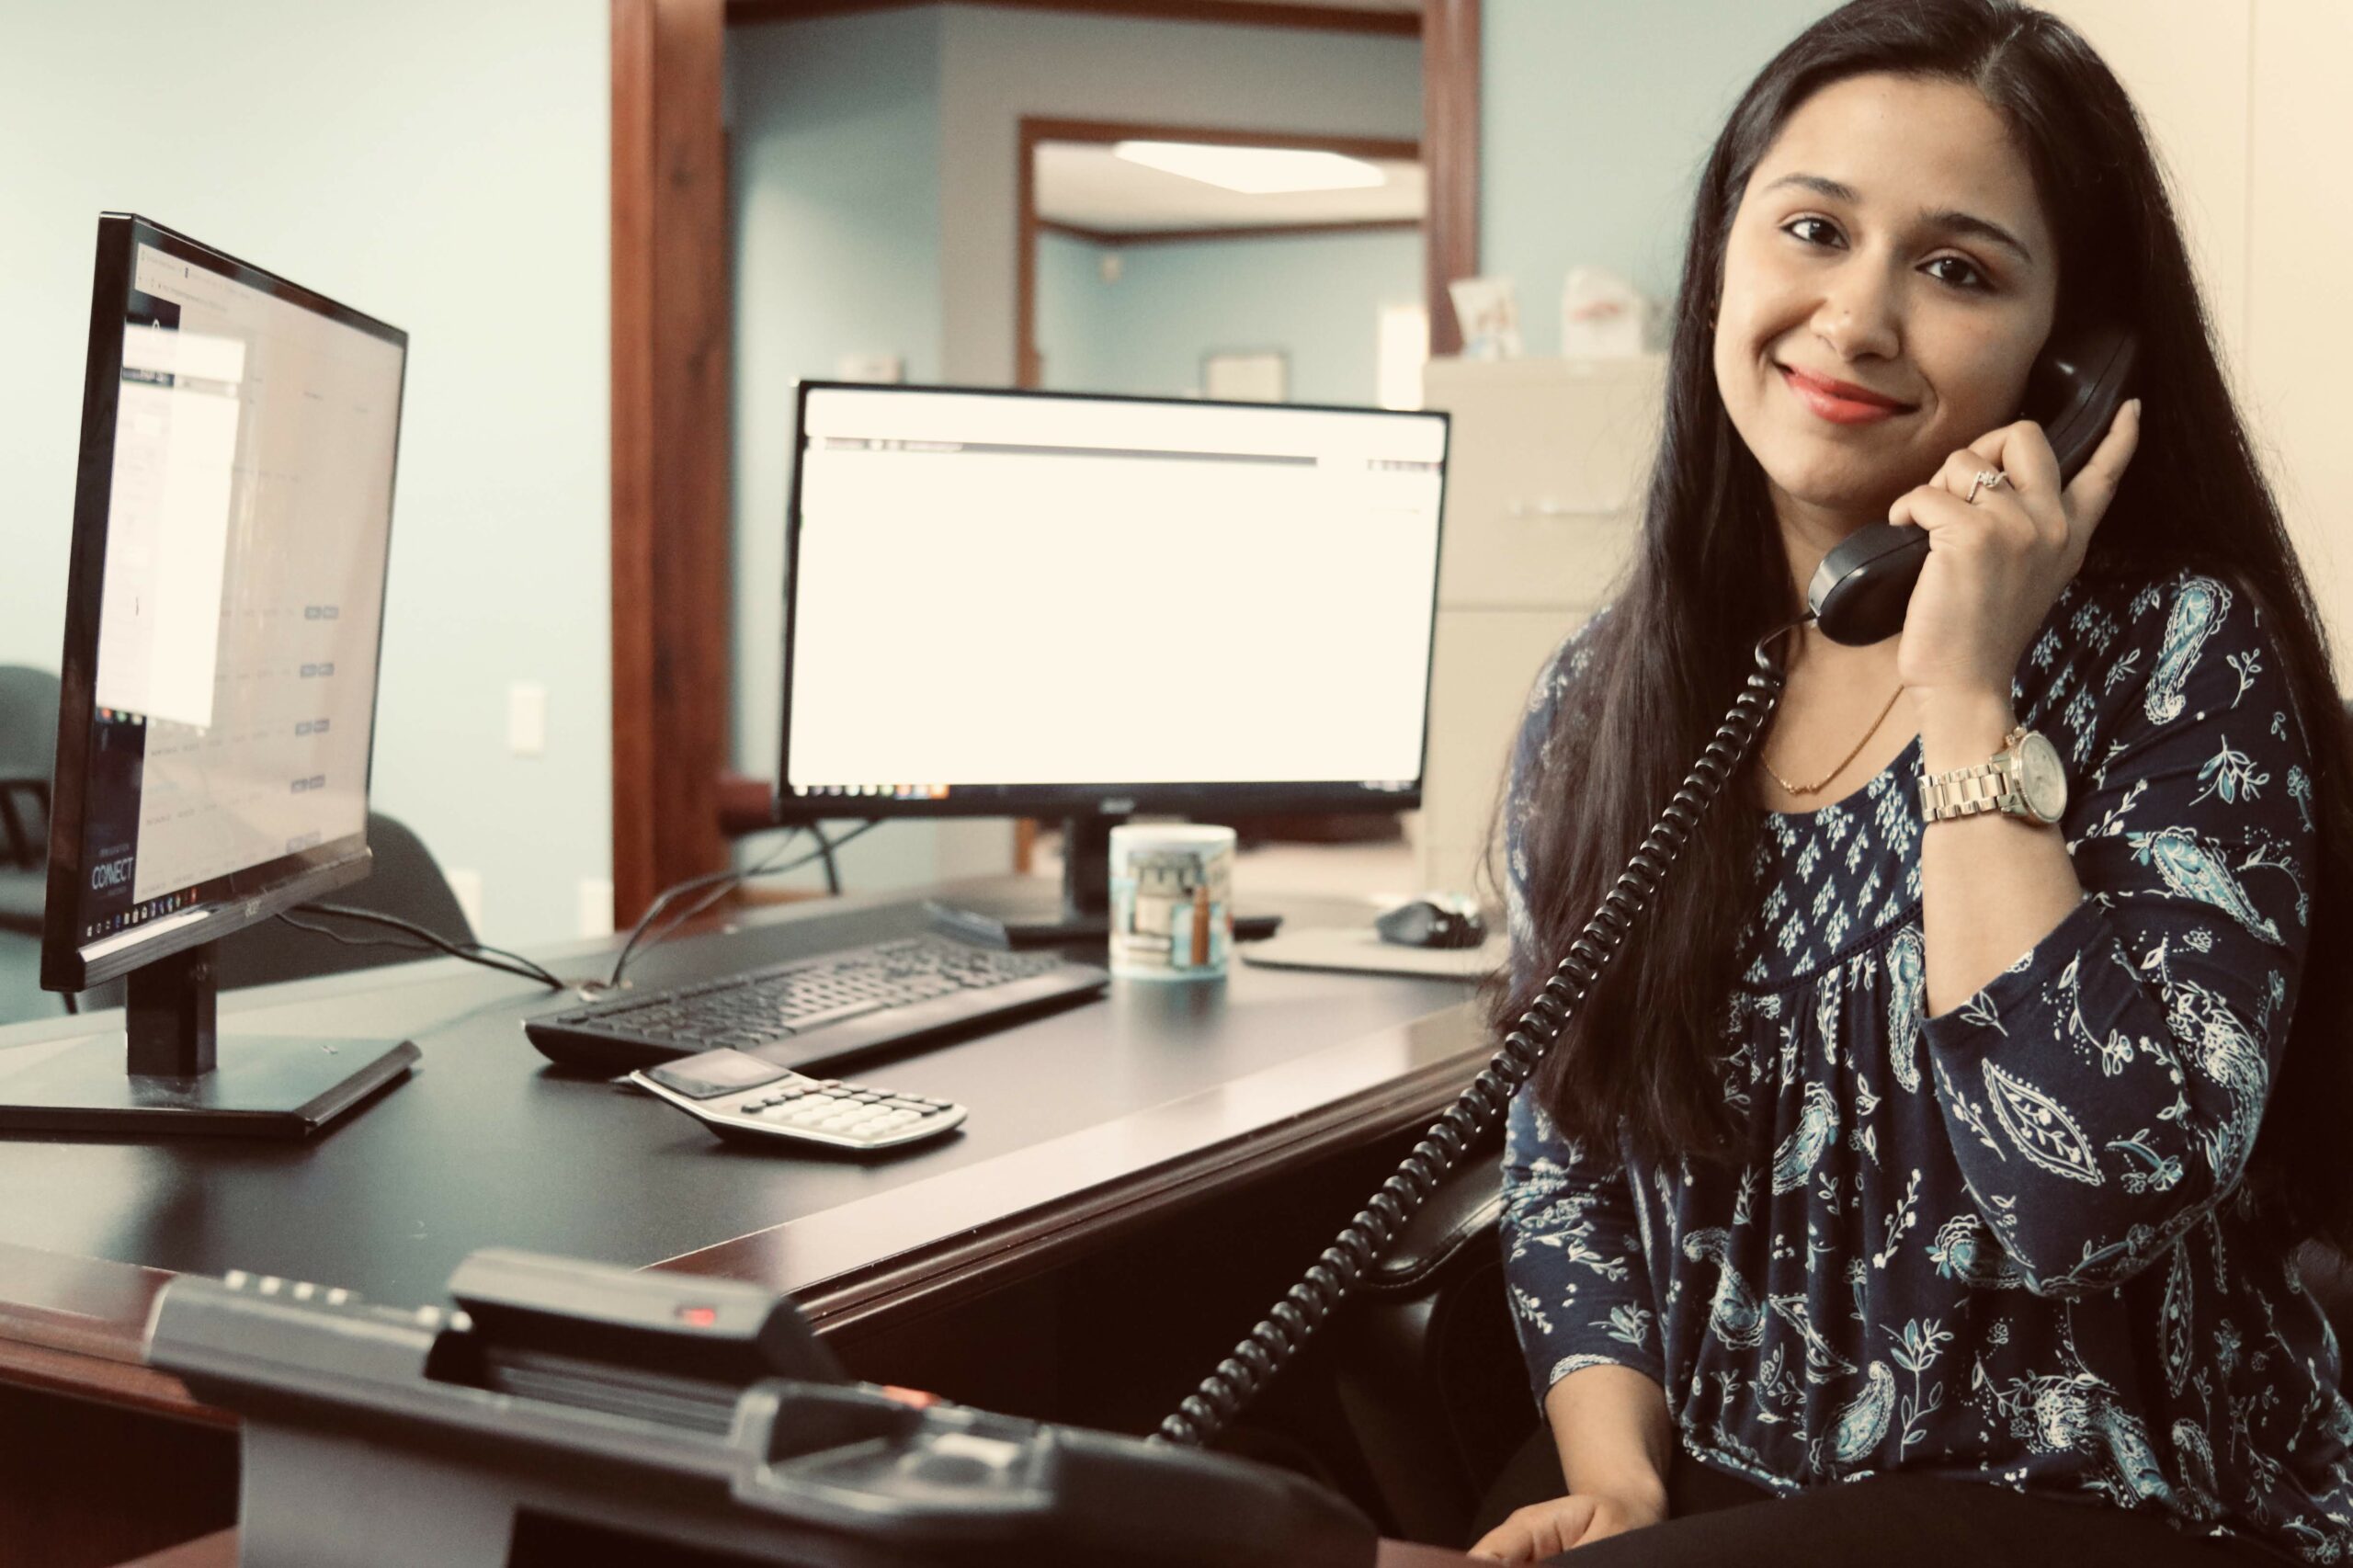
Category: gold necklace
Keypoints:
(1866, 734)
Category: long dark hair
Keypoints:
(1641, 1057)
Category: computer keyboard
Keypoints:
(816, 1011)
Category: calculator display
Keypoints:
(717, 1072)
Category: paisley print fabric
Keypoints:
(2007, 1243)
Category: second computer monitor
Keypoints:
(1029, 603)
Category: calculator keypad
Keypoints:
(830, 1112)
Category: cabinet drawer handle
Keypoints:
(1548, 507)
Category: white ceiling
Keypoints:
(1080, 183)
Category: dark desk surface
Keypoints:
(1081, 1121)
(220, 1551)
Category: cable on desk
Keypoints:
(826, 852)
(473, 952)
(726, 882)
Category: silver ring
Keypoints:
(1987, 479)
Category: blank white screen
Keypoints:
(1000, 589)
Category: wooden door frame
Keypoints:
(671, 423)
(1233, 13)
(670, 441)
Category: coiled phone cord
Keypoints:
(1280, 1337)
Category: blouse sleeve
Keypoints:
(1571, 1242)
(2103, 1092)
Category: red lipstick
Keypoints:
(1841, 402)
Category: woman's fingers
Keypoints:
(2021, 452)
(1538, 1530)
(2094, 487)
(1932, 506)
(2028, 485)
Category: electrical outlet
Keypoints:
(527, 719)
(595, 911)
(466, 885)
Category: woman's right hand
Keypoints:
(1543, 1530)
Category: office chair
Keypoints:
(407, 882)
(29, 699)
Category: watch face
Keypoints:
(2041, 779)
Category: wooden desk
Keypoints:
(1087, 1125)
(218, 1549)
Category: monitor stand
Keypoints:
(169, 1071)
(1023, 920)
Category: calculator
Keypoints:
(738, 1095)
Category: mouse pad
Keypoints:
(1361, 948)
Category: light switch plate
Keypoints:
(595, 908)
(466, 887)
(527, 719)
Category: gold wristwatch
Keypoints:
(2025, 779)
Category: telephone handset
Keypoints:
(1859, 591)
(1858, 596)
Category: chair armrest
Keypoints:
(21, 844)
(1444, 1233)
(1427, 1365)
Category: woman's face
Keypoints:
(1888, 281)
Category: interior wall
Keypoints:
(1317, 298)
(828, 121)
(1072, 300)
(1594, 117)
(2299, 334)
(2245, 101)
(444, 165)
(833, 153)
(1000, 64)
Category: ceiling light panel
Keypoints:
(1254, 171)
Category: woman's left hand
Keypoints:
(1996, 564)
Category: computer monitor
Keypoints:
(222, 623)
(1050, 605)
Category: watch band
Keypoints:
(1989, 785)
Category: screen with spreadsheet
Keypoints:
(1000, 599)
(237, 515)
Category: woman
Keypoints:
(1921, 1155)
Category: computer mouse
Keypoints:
(1434, 920)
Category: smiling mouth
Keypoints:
(1840, 403)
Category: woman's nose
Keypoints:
(1858, 315)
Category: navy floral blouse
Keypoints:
(2008, 1243)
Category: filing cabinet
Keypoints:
(1548, 461)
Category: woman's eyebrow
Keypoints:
(1954, 220)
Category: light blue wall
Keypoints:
(1316, 298)
(834, 132)
(1594, 117)
(444, 165)
(1072, 337)
(1002, 63)
(855, 235)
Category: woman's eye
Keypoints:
(1813, 230)
(1963, 274)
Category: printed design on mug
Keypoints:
(1171, 903)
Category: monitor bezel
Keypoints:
(1114, 799)
(257, 892)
